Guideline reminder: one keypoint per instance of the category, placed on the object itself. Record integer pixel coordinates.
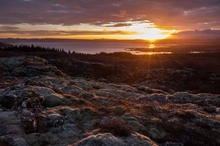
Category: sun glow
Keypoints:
(152, 45)
(152, 34)
(148, 31)
(145, 30)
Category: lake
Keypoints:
(90, 47)
(138, 48)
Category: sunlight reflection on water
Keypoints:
(150, 53)
(196, 52)
(152, 46)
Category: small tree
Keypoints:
(1, 72)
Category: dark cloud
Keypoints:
(166, 13)
(8, 28)
(118, 25)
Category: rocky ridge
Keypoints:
(40, 105)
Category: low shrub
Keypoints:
(1, 72)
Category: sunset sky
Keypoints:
(108, 19)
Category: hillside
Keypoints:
(41, 105)
(4, 45)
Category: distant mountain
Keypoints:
(208, 33)
(5, 45)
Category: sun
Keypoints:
(153, 34)
(148, 31)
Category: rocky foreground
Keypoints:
(40, 105)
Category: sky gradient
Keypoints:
(113, 19)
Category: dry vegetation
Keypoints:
(2, 79)
(115, 126)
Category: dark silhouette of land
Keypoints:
(180, 71)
